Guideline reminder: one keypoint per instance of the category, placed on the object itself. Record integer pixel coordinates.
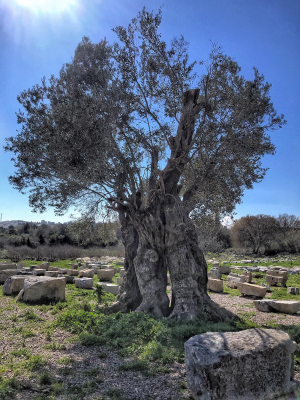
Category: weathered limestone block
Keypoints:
(286, 306)
(39, 271)
(43, 289)
(215, 285)
(63, 270)
(86, 273)
(21, 265)
(51, 273)
(248, 276)
(274, 276)
(5, 266)
(122, 272)
(74, 265)
(6, 274)
(293, 290)
(119, 281)
(110, 288)
(53, 268)
(215, 273)
(248, 365)
(262, 305)
(84, 283)
(246, 261)
(225, 269)
(282, 306)
(13, 285)
(105, 274)
(73, 272)
(233, 280)
(247, 289)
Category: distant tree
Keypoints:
(288, 237)
(135, 128)
(12, 230)
(41, 239)
(254, 231)
(212, 235)
(28, 242)
(26, 228)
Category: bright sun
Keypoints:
(47, 6)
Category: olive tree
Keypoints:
(136, 128)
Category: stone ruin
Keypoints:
(248, 365)
(274, 277)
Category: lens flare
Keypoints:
(47, 6)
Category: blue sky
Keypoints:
(38, 36)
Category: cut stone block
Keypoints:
(5, 266)
(39, 271)
(215, 273)
(248, 276)
(233, 280)
(52, 268)
(21, 265)
(247, 289)
(110, 288)
(282, 306)
(262, 305)
(84, 283)
(293, 290)
(7, 273)
(119, 281)
(215, 285)
(13, 285)
(105, 274)
(122, 272)
(286, 306)
(73, 272)
(43, 289)
(225, 269)
(63, 270)
(51, 273)
(248, 365)
(273, 277)
(86, 273)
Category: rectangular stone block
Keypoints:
(215, 285)
(247, 289)
(4, 266)
(248, 365)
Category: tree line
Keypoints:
(84, 234)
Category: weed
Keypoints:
(45, 378)
(55, 346)
(21, 353)
(34, 363)
(66, 360)
(31, 316)
(101, 354)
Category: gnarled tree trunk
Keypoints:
(130, 296)
(187, 266)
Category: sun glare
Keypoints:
(47, 6)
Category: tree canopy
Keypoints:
(138, 128)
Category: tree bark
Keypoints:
(187, 266)
(150, 266)
(130, 296)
